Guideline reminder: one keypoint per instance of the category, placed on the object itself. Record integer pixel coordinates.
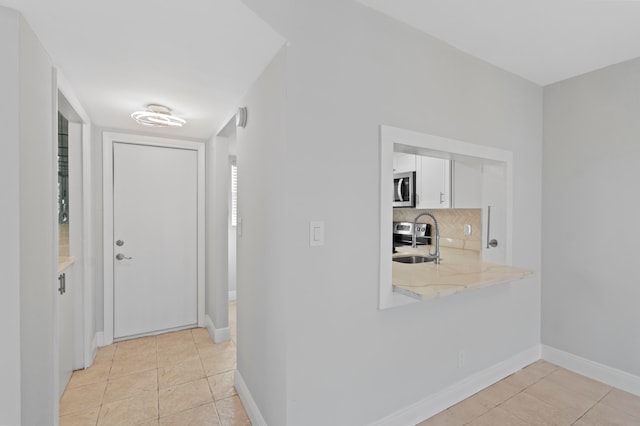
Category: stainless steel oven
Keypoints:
(403, 233)
(404, 189)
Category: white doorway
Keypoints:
(233, 222)
(154, 235)
(74, 316)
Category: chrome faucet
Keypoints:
(435, 255)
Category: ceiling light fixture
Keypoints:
(157, 116)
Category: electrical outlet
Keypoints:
(461, 359)
(467, 230)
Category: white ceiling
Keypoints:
(544, 41)
(200, 56)
(197, 57)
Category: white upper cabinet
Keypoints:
(467, 184)
(403, 162)
(433, 183)
(442, 184)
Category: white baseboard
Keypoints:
(451, 395)
(93, 350)
(99, 339)
(250, 405)
(218, 335)
(221, 335)
(232, 295)
(596, 371)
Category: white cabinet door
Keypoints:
(403, 162)
(467, 185)
(433, 183)
(65, 329)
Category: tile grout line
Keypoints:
(106, 385)
(157, 382)
(511, 397)
(197, 406)
(113, 357)
(533, 396)
(591, 408)
(215, 406)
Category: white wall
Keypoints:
(38, 221)
(349, 70)
(591, 157)
(28, 360)
(217, 234)
(261, 275)
(9, 220)
(96, 230)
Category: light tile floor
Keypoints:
(183, 378)
(543, 394)
(179, 378)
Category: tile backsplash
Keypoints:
(451, 223)
(63, 240)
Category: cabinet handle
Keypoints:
(491, 243)
(62, 289)
(441, 197)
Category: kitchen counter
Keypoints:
(459, 270)
(65, 262)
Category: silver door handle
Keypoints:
(399, 189)
(121, 256)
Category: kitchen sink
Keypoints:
(413, 259)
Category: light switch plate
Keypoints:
(316, 233)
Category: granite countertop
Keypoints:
(459, 270)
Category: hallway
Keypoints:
(179, 378)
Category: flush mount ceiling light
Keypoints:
(157, 116)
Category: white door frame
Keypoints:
(84, 302)
(108, 139)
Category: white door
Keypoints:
(155, 225)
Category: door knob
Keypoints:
(121, 256)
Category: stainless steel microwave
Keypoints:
(404, 189)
